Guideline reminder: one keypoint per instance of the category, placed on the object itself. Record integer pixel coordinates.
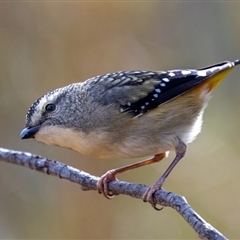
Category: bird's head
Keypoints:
(49, 114)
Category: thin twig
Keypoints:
(88, 182)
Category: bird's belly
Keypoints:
(99, 144)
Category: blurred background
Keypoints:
(46, 45)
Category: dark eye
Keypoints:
(50, 107)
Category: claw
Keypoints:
(148, 195)
(156, 208)
(102, 184)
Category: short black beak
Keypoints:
(29, 132)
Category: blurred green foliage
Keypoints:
(46, 45)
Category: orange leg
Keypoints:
(102, 183)
(110, 175)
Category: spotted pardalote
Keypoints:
(127, 114)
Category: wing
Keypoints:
(137, 92)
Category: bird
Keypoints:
(127, 114)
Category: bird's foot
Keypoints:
(102, 184)
(148, 195)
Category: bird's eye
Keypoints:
(50, 107)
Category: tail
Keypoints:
(216, 73)
(236, 62)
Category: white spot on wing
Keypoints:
(171, 74)
(216, 69)
(165, 79)
(202, 73)
(185, 72)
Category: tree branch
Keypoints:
(88, 182)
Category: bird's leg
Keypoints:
(102, 184)
(148, 195)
